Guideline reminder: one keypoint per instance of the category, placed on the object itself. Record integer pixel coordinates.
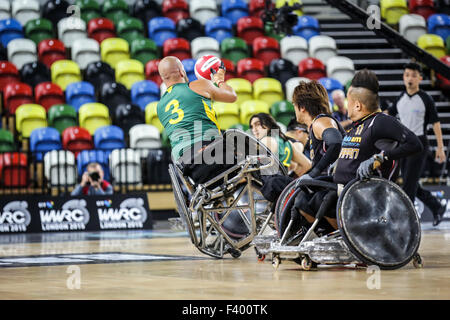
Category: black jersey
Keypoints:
(364, 140)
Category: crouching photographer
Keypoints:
(92, 182)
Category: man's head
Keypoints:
(412, 76)
(362, 96)
(94, 169)
(261, 125)
(338, 97)
(172, 71)
(310, 99)
(297, 131)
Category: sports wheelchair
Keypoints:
(223, 214)
(377, 225)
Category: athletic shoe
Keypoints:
(437, 217)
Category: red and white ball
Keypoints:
(204, 64)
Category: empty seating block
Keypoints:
(90, 9)
(412, 26)
(6, 141)
(294, 49)
(189, 29)
(30, 117)
(439, 24)
(311, 68)
(34, 73)
(79, 93)
(175, 9)
(204, 46)
(16, 94)
(257, 7)
(129, 72)
(144, 137)
(8, 74)
(322, 48)
(243, 89)
(14, 169)
(60, 168)
(291, 84)
(433, 44)
(76, 139)
(25, 10)
(93, 115)
(283, 111)
(112, 94)
(51, 50)
(55, 10)
(266, 49)
(146, 10)
(341, 69)
(151, 71)
(99, 73)
(65, 72)
(85, 51)
(144, 50)
(128, 115)
(203, 10)
(100, 29)
(234, 9)
(61, 117)
(393, 10)
(130, 29)
(71, 29)
(115, 10)
(48, 94)
(108, 138)
(219, 28)
(189, 65)
(250, 69)
(227, 114)
(268, 90)
(306, 27)
(234, 49)
(38, 30)
(425, 8)
(43, 140)
(177, 47)
(249, 28)
(151, 116)
(10, 29)
(125, 166)
(114, 50)
(160, 29)
(144, 92)
(282, 70)
(251, 107)
(88, 156)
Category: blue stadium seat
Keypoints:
(10, 29)
(189, 65)
(219, 28)
(439, 24)
(108, 138)
(307, 27)
(43, 140)
(330, 85)
(234, 9)
(160, 29)
(79, 93)
(143, 92)
(87, 156)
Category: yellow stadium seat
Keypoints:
(29, 117)
(128, 72)
(151, 116)
(243, 89)
(268, 90)
(393, 10)
(93, 115)
(280, 3)
(227, 114)
(433, 44)
(251, 107)
(65, 72)
(114, 50)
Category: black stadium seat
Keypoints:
(127, 115)
(34, 73)
(158, 161)
(282, 70)
(189, 29)
(98, 73)
(112, 94)
(55, 10)
(145, 10)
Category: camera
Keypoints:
(95, 176)
(283, 19)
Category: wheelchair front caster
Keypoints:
(306, 263)
(276, 262)
(417, 261)
(234, 253)
(261, 257)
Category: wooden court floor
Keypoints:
(207, 278)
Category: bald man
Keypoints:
(339, 108)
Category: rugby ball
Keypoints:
(204, 64)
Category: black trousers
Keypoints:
(411, 171)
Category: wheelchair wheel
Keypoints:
(282, 207)
(378, 222)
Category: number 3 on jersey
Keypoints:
(176, 109)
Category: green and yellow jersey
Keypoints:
(284, 151)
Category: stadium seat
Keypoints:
(243, 89)
(250, 69)
(189, 65)
(242, 127)
(444, 83)
(128, 115)
(144, 50)
(51, 50)
(48, 94)
(114, 50)
(98, 73)
(65, 72)
(283, 111)
(249, 28)
(294, 49)
(90, 9)
(268, 90)
(322, 47)
(151, 116)
(151, 71)
(115, 10)
(6, 141)
(251, 107)
(281, 3)
(227, 114)
(99, 156)
(14, 169)
(71, 29)
(8, 74)
(130, 29)
(79, 93)
(34, 73)
(203, 10)
(25, 10)
(341, 69)
(189, 29)
(61, 117)
(425, 8)
(291, 84)
(5, 9)
(162, 89)
(10, 29)
(93, 115)
(85, 51)
(112, 94)
(306, 27)
(330, 85)
(144, 92)
(38, 30)
(393, 10)
(77, 139)
(412, 26)
(203, 46)
(234, 9)
(234, 49)
(433, 44)
(60, 168)
(311, 68)
(257, 7)
(43, 140)
(266, 49)
(175, 9)
(55, 10)
(100, 29)
(16, 94)
(282, 70)
(439, 24)
(160, 29)
(108, 138)
(129, 72)
(30, 117)
(125, 166)
(144, 137)
(219, 28)
(177, 47)
(231, 69)
(146, 10)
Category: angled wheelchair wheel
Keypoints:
(378, 222)
(283, 207)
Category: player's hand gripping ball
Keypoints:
(204, 65)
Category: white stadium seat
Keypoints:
(294, 49)
(5, 9)
(341, 69)
(25, 10)
(85, 51)
(203, 46)
(412, 26)
(322, 48)
(71, 29)
(162, 88)
(291, 84)
(125, 166)
(203, 10)
(60, 168)
(144, 137)
(21, 51)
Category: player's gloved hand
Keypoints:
(366, 167)
(219, 76)
(308, 176)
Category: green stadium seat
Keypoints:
(115, 10)
(144, 50)
(6, 141)
(240, 126)
(90, 9)
(38, 30)
(130, 29)
(62, 116)
(283, 111)
(234, 49)
(270, 32)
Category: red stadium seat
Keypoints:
(311, 68)
(101, 29)
(48, 94)
(230, 69)
(250, 69)
(16, 94)
(51, 50)
(175, 9)
(250, 28)
(8, 74)
(151, 71)
(266, 49)
(177, 47)
(14, 169)
(444, 83)
(425, 8)
(257, 7)
(77, 139)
